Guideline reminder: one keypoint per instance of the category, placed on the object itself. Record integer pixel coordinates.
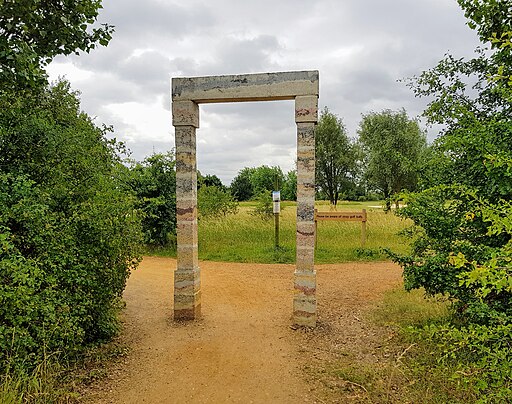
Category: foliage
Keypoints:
(289, 187)
(393, 146)
(154, 183)
(266, 179)
(241, 186)
(443, 362)
(32, 33)
(209, 180)
(68, 231)
(463, 224)
(476, 359)
(252, 181)
(336, 156)
(214, 202)
(462, 248)
(264, 208)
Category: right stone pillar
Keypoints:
(304, 302)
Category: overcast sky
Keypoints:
(360, 47)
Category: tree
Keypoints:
(393, 145)
(241, 186)
(33, 32)
(462, 233)
(209, 180)
(266, 179)
(215, 202)
(289, 187)
(154, 183)
(336, 156)
(69, 233)
(252, 181)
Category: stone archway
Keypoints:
(187, 93)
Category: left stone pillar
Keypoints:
(187, 279)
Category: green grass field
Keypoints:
(247, 238)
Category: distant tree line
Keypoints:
(384, 160)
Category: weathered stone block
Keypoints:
(187, 282)
(305, 135)
(185, 210)
(305, 258)
(306, 176)
(185, 137)
(305, 212)
(305, 282)
(186, 163)
(306, 108)
(187, 307)
(185, 113)
(304, 310)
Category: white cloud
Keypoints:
(69, 71)
(145, 122)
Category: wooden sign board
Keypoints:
(342, 216)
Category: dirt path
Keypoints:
(243, 350)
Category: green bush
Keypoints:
(69, 232)
(264, 208)
(154, 183)
(214, 202)
(476, 359)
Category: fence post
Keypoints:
(316, 227)
(363, 229)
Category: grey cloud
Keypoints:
(241, 55)
(137, 20)
(102, 89)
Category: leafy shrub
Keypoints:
(289, 187)
(264, 208)
(214, 202)
(462, 248)
(69, 232)
(154, 183)
(476, 358)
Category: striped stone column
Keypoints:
(187, 281)
(304, 302)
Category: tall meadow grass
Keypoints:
(245, 237)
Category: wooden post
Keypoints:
(316, 227)
(363, 229)
(276, 229)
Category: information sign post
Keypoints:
(276, 199)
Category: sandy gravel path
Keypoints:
(243, 350)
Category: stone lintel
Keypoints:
(246, 87)
(185, 113)
(306, 108)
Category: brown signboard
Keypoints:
(342, 216)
